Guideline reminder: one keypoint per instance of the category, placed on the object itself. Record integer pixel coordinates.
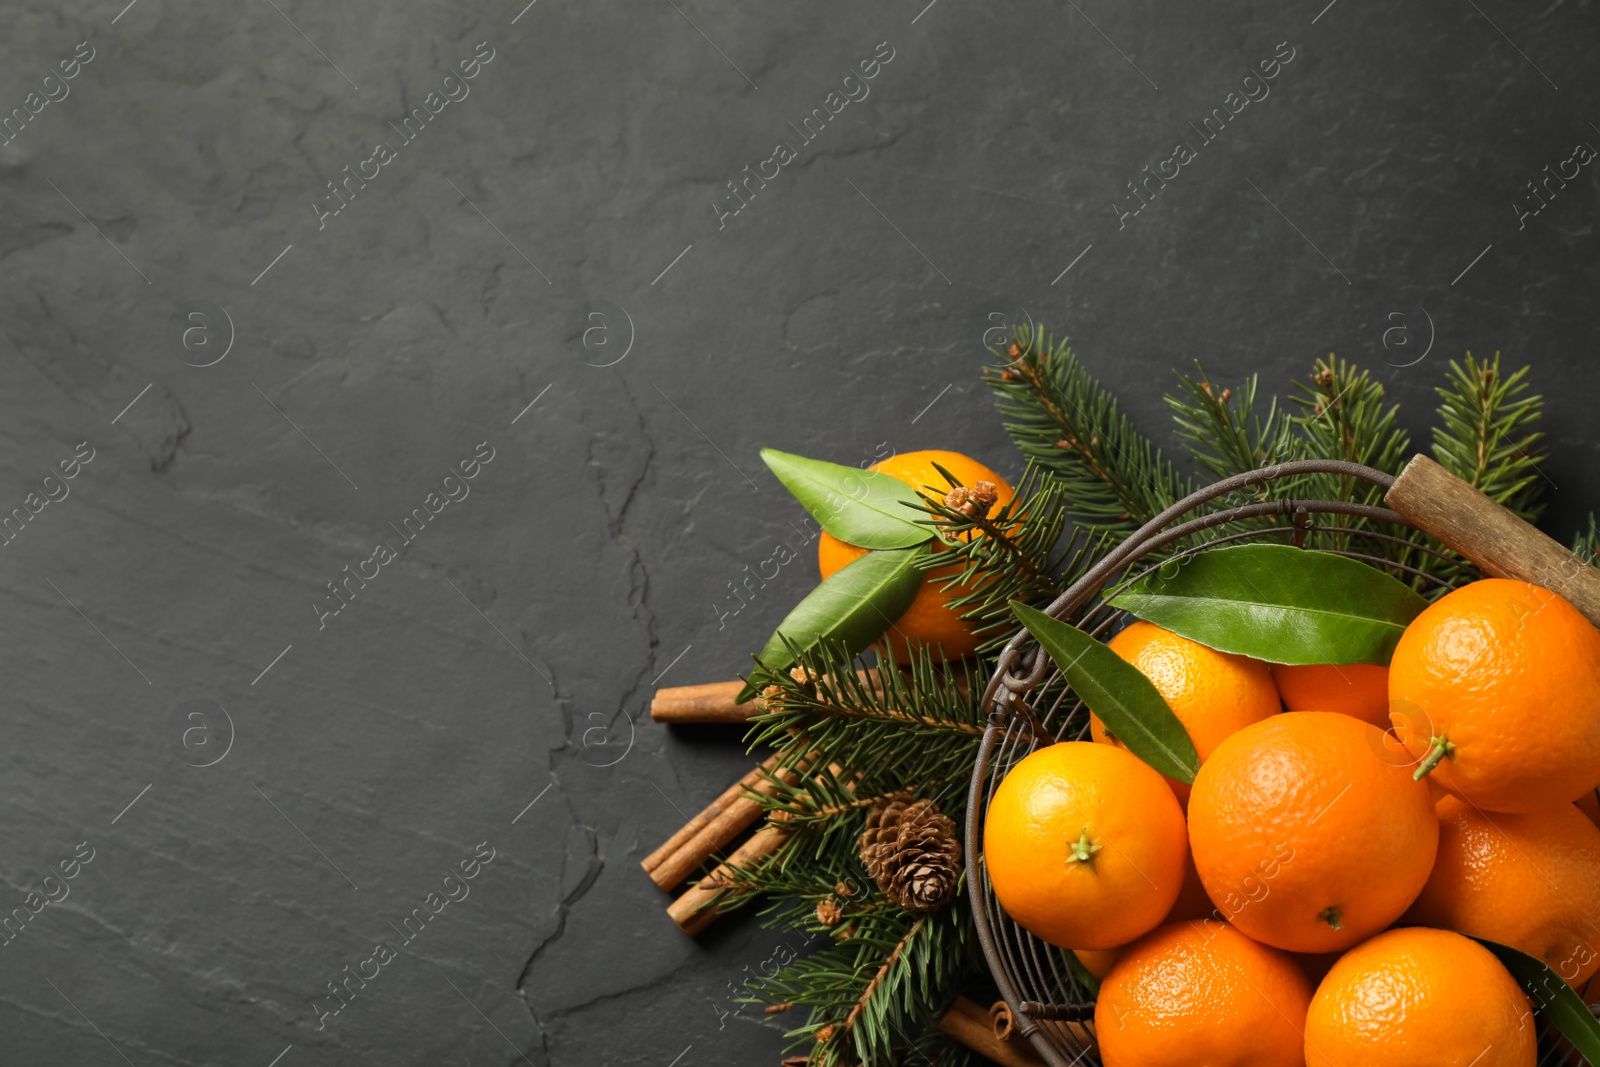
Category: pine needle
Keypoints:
(1488, 436)
(1059, 415)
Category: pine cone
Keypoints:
(912, 852)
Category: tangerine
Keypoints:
(1418, 997)
(1358, 689)
(1506, 679)
(1212, 693)
(1084, 845)
(1098, 961)
(1530, 881)
(1305, 836)
(930, 620)
(1192, 902)
(1202, 994)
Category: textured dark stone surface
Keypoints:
(511, 648)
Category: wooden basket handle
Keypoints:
(1501, 544)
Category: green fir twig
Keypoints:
(1062, 417)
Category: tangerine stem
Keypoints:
(1441, 747)
(1082, 850)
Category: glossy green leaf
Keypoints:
(1553, 999)
(860, 507)
(853, 607)
(1277, 603)
(1116, 691)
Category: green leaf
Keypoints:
(1116, 691)
(859, 507)
(1277, 603)
(854, 606)
(1553, 998)
(1081, 973)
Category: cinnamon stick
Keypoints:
(713, 702)
(970, 1024)
(1000, 1017)
(1500, 543)
(722, 820)
(711, 811)
(697, 907)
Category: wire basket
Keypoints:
(1029, 704)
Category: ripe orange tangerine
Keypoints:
(1358, 689)
(1506, 677)
(1212, 693)
(1084, 845)
(1418, 997)
(1098, 961)
(1531, 881)
(1202, 994)
(1306, 838)
(929, 620)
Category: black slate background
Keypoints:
(507, 656)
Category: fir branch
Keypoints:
(1587, 543)
(893, 727)
(881, 975)
(849, 737)
(1344, 416)
(1018, 553)
(1059, 415)
(877, 979)
(1224, 431)
(1487, 433)
(880, 988)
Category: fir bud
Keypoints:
(974, 502)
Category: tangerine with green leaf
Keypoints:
(1212, 693)
(930, 620)
(1084, 845)
(1507, 679)
(1305, 836)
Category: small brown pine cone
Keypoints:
(824, 1032)
(829, 912)
(911, 850)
